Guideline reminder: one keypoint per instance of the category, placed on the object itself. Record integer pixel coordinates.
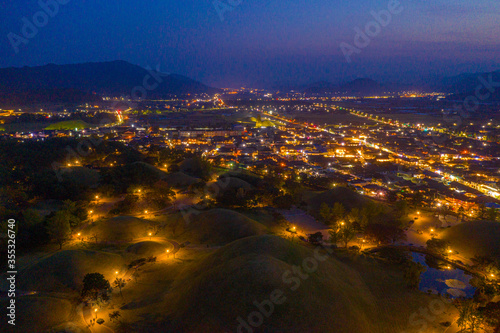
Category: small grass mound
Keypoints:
(120, 228)
(147, 249)
(221, 226)
(474, 238)
(228, 183)
(64, 270)
(68, 125)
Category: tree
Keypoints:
(315, 238)
(114, 315)
(438, 246)
(358, 217)
(75, 212)
(332, 215)
(401, 208)
(338, 211)
(119, 283)
(346, 233)
(95, 287)
(469, 317)
(491, 315)
(412, 272)
(159, 195)
(384, 233)
(461, 212)
(58, 228)
(491, 214)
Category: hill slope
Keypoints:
(115, 78)
(474, 238)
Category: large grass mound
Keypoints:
(82, 176)
(245, 175)
(116, 229)
(474, 238)
(147, 249)
(221, 226)
(68, 125)
(225, 285)
(180, 180)
(40, 314)
(64, 270)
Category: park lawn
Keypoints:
(68, 125)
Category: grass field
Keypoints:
(207, 288)
(68, 125)
(474, 238)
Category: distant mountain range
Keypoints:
(469, 84)
(89, 82)
(357, 87)
(459, 86)
(72, 83)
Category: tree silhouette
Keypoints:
(58, 228)
(119, 283)
(95, 287)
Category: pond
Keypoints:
(443, 278)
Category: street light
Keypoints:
(168, 253)
(150, 236)
(95, 310)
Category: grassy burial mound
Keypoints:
(245, 175)
(64, 270)
(224, 286)
(118, 229)
(41, 314)
(474, 238)
(230, 287)
(180, 180)
(147, 249)
(82, 176)
(220, 226)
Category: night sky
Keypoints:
(262, 42)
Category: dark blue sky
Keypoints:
(262, 42)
